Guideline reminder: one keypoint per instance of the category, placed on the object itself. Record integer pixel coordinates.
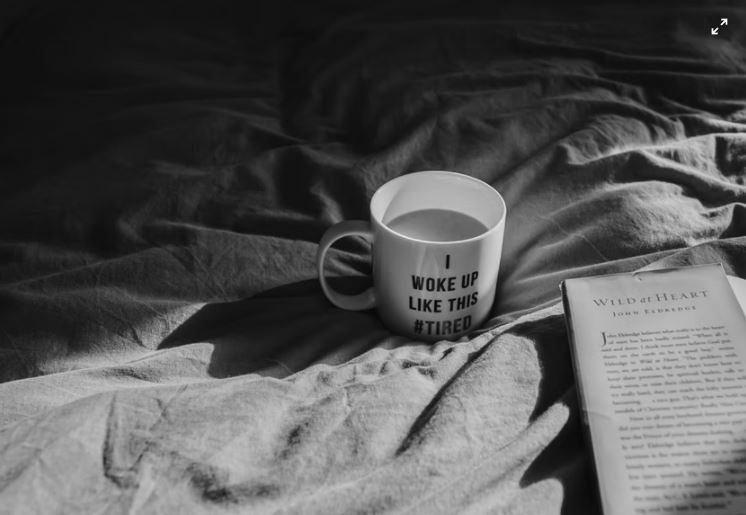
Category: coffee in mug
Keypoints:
(436, 243)
(437, 225)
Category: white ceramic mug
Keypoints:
(427, 290)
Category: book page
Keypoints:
(739, 289)
(661, 363)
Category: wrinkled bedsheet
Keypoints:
(167, 172)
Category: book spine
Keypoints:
(579, 388)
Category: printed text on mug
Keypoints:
(461, 301)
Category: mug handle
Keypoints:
(360, 301)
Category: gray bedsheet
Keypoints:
(168, 170)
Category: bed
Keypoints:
(167, 173)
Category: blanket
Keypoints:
(169, 167)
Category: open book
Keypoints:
(660, 362)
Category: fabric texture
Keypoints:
(167, 172)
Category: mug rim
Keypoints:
(407, 176)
